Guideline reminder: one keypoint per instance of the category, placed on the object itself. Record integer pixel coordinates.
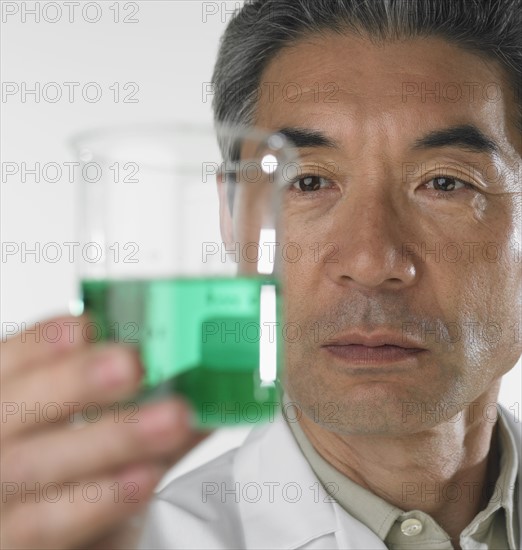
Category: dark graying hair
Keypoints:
(261, 28)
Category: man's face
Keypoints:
(397, 232)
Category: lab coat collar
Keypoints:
(299, 512)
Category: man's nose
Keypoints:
(369, 235)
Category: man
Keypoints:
(397, 147)
(407, 122)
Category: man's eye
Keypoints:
(310, 183)
(445, 184)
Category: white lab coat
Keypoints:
(262, 508)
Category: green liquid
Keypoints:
(215, 341)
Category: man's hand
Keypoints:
(76, 463)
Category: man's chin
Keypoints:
(375, 410)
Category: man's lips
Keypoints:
(374, 339)
(378, 347)
(357, 353)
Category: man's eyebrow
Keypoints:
(466, 136)
(304, 137)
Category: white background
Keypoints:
(169, 53)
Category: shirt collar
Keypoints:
(505, 494)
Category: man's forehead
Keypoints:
(356, 63)
(346, 82)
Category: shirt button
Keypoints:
(411, 527)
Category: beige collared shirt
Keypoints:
(494, 528)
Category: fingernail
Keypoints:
(112, 369)
(159, 419)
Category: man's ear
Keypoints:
(225, 215)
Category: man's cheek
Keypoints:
(300, 287)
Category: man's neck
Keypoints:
(445, 471)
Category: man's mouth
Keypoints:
(385, 346)
(357, 353)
